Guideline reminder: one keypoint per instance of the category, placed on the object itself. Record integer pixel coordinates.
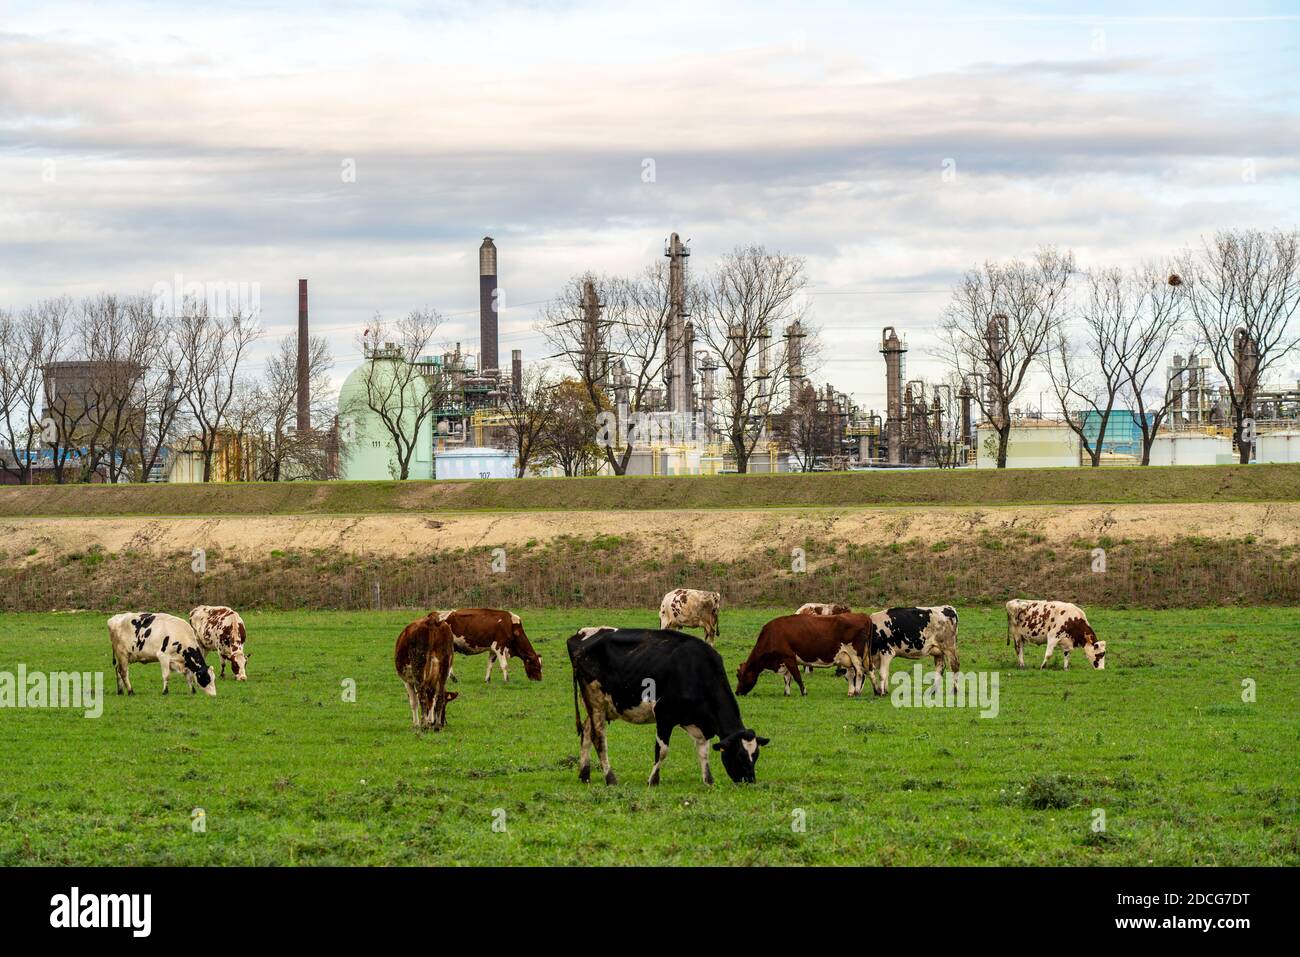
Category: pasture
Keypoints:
(288, 772)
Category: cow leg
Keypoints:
(938, 672)
(663, 731)
(792, 668)
(701, 751)
(584, 758)
(1065, 654)
(123, 668)
(451, 673)
(953, 665)
(414, 701)
(785, 675)
(166, 664)
(883, 673)
(1051, 646)
(598, 731)
(1020, 653)
(503, 659)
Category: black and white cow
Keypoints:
(666, 678)
(913, 633)
(166, 639)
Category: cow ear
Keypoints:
(717, 746)
(762, 742)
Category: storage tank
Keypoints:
(1193, 448)
(1032, 444)
(1278, 446)
(474, 462)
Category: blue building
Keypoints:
(1123, 432)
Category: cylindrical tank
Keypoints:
(1192, 448)
(1278, 446)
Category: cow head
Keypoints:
(524, 648)
(434, 707)
(239, 664)
(203, 673)
(1095, 652)
(746, 678)
(740, 754)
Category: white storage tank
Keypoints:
(1032, 444)
(1278, 447)
(1191, 448)
(474, 462)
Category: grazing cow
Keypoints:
(823, 608)
(691, 608)
(674, 680)
(220, 629)
(914, 633)
(499, 633)
(1053, 623)
(166, 639)
(423, 657)
(820, 641)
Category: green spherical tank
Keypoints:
(384, 388)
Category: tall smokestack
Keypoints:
(304, 351)
(488, 299)
(517, 371)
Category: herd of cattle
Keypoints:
(637, 675)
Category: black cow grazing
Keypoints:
(642, 675)
(913, 633)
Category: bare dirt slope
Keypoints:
(707, 534)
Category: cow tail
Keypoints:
(577, 717)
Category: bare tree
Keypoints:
(285, 451)
(806, 428)
(1000, 321)
(1088, 372)
(396, 389)
(212, 350)
(29, 343)
(1159, 321)
(528, 414)
(613, 332)
(158, 397)
(568, 442)
(744, 308)
(1242, 288)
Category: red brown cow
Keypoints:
(822, 641)
(497, 632)
(423, 657)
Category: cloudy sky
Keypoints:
(140, 141)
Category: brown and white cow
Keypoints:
(1052, 623)
(166, 639)
(220, 629)
(822, 641)
(423, 656)
(499, 633)
(823, 608)
(691, 608)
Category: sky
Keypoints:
(145, 141)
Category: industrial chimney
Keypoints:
(487, 306)
(516, 372)
(892, 348)
(304, 351)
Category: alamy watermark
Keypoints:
(223, 300)
(966, 689)
(82, 690)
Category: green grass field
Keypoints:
(287, 772)
(986, 487)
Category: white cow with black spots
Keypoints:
(914, 633)
(166, 639)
